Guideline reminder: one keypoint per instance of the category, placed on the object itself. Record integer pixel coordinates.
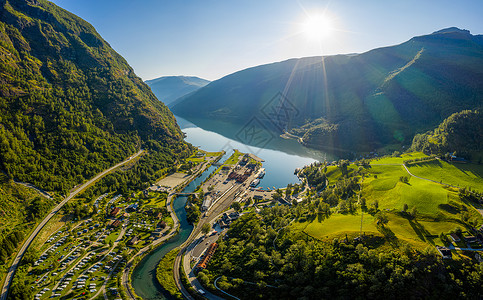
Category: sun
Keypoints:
(317, 27)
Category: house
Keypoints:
(162, 224)
(133, 241)
(445, 252)
(132, 207)
(455, 237)
(207, 202)
(114, 211)
(252, 166)
(203, 263)
(115, 223)
(258, 197)
(159, 215)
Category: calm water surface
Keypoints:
(281, 157)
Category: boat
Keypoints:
(261, 174)
(255, 183)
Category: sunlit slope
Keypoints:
(354, 102)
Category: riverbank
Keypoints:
(143, 278)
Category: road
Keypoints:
(222, 204)
(26, 244)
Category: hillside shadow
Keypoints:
(449, 208)
(422, 233)
(389, 235)
(471, 168)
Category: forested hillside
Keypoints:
(70, 106)
(461, 133)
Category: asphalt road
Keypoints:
(26, 244)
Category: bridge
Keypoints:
(185, 194)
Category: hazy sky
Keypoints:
(213, 38)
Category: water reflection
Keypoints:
(281, 156)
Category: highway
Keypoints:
(26, 244)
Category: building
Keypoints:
(203, 263)
(455, 237)
(445, 252)
(133, 241)
(470, 239)
(207, 203)
(115, 211)
(115, 223)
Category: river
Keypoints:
(281, 157)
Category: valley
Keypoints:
(310, 176)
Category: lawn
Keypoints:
(233, 159)
(390, 193)
(419, 232)
(339, 223)
(398, 160)
(458, 174)
(159, 200)
(334, 173)
(112, 237)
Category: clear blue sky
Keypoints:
(213, 38)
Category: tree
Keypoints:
(405, 207)
(236, 206)
(382, 218)
(414, 212)
(206, 228)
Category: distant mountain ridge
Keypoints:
(169, 88)
(355, 103)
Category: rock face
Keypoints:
(170, 88)
(69, 104)
(356, 102)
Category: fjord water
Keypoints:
(281, 156)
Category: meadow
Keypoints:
(431, 208)
(457, 174)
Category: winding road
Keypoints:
(26, 244)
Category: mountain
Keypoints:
(170, 88)
(358, 103)
(70, 106)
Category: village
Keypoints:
(86, 257)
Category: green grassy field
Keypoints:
(233, 159)
(420, 232)
(398, 160)
(391, 193)
(458, 174)
(337, 224)
(334, 173)
(439, 208)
